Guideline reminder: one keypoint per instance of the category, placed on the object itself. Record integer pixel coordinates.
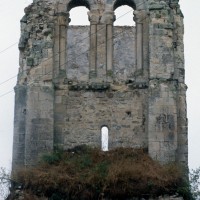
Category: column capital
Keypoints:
(108, 17)
(63, 18)
(93, 16)
(139, 16)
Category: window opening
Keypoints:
(124, 38)
(79, 16)
(104, 138)
(78, 44)
(124, 16)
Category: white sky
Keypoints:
(10, 14)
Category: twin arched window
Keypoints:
(124, 16)
(79, 57)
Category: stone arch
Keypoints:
(141, 32)
(76, 3)
(81, 19)
(119, 3)
(124, 16)
(125, 35)
(135, 4)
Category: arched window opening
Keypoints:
(124, 16)
(104, 138)
(76, 3)
(119, 3)
(78, 45)
(124, 39)
(79, 16)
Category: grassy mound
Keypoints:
(86, 173)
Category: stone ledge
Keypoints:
(89, 86)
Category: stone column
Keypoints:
(19, 127)
(182, 151)
(109, 18)
(61, 43)
(94, 20)
(138, 18)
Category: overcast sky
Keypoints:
(10, 14)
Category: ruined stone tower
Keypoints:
(74, 80)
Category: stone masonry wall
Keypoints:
(78, 53)
(124, 47)
(79, 116)
(166, 77)
(75, 79)
(33, 132)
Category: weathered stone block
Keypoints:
(30, 61)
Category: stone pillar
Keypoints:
(162, 104)
(39, 136)
(182, 152)
(94, 20)
(162, 120)
(105, 46)
(139, 18)
(109, 18)
(101, 51)
(19, 127)
(60, 43)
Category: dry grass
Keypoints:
(85, 173)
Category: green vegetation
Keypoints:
(4, 182)
(195, 183)
(86, 173)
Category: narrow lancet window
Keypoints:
(104, 138)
